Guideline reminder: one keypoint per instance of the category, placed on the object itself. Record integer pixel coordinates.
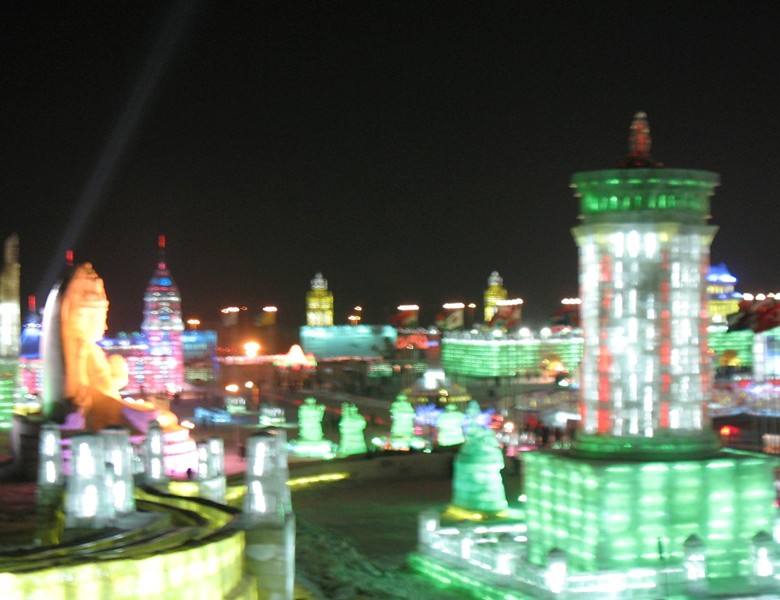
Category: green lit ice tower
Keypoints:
(646, 483)
(10, 329)
(476, 481)
(644, 248)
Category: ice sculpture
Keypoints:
(402, 413)
(211, 469)
(310, 420)
(477, 484)
(311, 440)
(268, 497)
(351, 427)
(268, 519)
(450, 425)
(78, 374)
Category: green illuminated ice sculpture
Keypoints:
(450, 426)
(310, 420)
(477, 485)
(311, 440)
(351, 429)
(402, 412)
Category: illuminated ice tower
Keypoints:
(645, 475)
(644, 255)
(163, 326)
(495, 293)
(10, 328)
(723, 300)
(319, 303)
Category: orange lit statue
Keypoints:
(92, 380)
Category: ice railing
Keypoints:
(496, 555)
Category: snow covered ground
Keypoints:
(354, 536)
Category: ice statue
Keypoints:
(92, 380)
(310, 420)
(86, 379)
(351, 429)
(477, 484)
(402, 436)
(311, 440)
(450, 425)
(403, 417)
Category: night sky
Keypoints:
(405, 150)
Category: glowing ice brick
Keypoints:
(763, 556)
(50, 456)
(555, 574)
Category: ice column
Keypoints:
(154, 470)
(211, 469)
(268, 516)
(119, 456)
(89, 501)
(268, 497)
(49, 457)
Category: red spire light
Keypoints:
(639, 143)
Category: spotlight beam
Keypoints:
(172, 30)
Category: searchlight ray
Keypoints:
(165, 43)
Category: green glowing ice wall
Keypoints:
(487, 356)
(10, 328)
(611, 514)
(740, 342)
(9, 369)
